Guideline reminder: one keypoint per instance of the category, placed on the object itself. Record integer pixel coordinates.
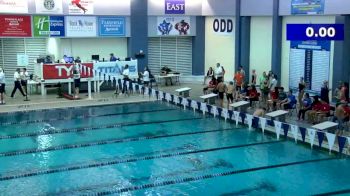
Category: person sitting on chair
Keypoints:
(290, 102)
(210, 74)
(252, 95)
(211, 86)
(165, 71)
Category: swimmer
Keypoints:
(260, 112)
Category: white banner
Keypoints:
(14, 6)
(176, 100)
(263, 123)
(174, 25)
(204, 107)
(294, 130)
(236, 116)
(225, 113)
(81, 26)
(223, 26)
(184, 103)
(49, 6)
(80, 7)
(168, 97)
(194, 105)
(250, 120)
(278, 127)
(311, 133)
(331, 140)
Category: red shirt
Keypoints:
(253, 93)
(317, 106)
(346, 109)
(239, 79)
(212, 84)
(274, 95)
(325, 107)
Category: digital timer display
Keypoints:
(302, 32)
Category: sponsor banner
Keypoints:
(14, 6)
(80, 7)
(302, 7)
(173, 26)
(49, 6)
(111, 26)
(81, 26)
(65, 71)
(48, 26)
(174, 6)
(115, 69)
(223, 26)
(15, 26)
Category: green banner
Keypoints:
(41, 26)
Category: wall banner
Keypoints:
(81, 7)
(223, 26)
(15, 26)
(302, 7)
(48, 6)
(14, 6)
(111, 26)
(173, 26)
(65, 71)
(115, 69)
(81, 26)
(48, 26)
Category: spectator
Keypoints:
(312, 114)
(242, 71)
(238, 78)
(301, 88)
(113, 58)
(264, 87)
(282, 97)
(230, 93)
(273, 83)
(219, 72)
(253, 95)
(337, 93)
(324, 92)
(220, 88)
(324, 111)
(341, 116)
(254, 77)
(211, 86)
(165, 71)
(306, 105)
(344, 93)
(263, 79)
(274, 98)
(210, 74)
(290, 103)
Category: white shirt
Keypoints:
(219, 72)
(273, 84)
(126, 72)
(146, 76)
(2, 78)
(76, 69)
(16, 76)
(24, 75)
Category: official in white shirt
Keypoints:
(17, 80)
(146, 77)
(76, 77)
(24, 79)
(273, 83)
(219, 72)
(2, 86)
(126, 73)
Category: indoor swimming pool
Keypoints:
(153, 148)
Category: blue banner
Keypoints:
(57, 26)
(315, 32)
(111, 26)
(311, 45)
(302, 7)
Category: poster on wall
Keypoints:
(223, 26)
(14, 6)
(81, 26)
(304, 7)
(48, 26)
(15, 26)
(173, 26)
(80, 7)
(49, 6)
(310, 60)
(111, 26)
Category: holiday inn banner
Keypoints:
(48, 26)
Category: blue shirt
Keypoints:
(113, 58)
(292, 100)
(307, 102)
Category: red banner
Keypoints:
(65, 71)
(15, 26)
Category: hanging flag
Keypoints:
(263, 123)
(140, 89)
(225, 114)
(203, 108)
(209, 108)
(134, 86)
(199, 105)
(270, 123)
(230, 114)
(154, 94)
(303, 133)
(180, 100)
(320, 136)
(294, 130)
(311, 133)
(194, 105)
(243, 116)
(285, 128)
(161, 95)
(214, 111)
(176, 100)
(167, 97)
(157, 95)
(255, 122)
(146, 91)
(278, 127)
(219, 112)
(331, 140)
(341, 143)
(172, 98)
(249, 120)
(236, 116)
(184, 103)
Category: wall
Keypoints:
(332, 7)
(85, 47)
(219, 48)
(260, 44)
(286, 44)
(219, 7)
(256, 7)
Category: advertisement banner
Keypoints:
(48, 26)
(115, 69)
(302, 7)
(81, 26)
(174, 6)
(15, 26)
(65, 71)
(173, 25)
(80, 7)
(49, 6)
(223, 26)
(111, 26)
(14, 6)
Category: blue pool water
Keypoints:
(155, 149)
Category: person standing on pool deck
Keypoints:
(24, 78)
(76, 77)
(2, 86)
(126, 77)
(17, 78)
